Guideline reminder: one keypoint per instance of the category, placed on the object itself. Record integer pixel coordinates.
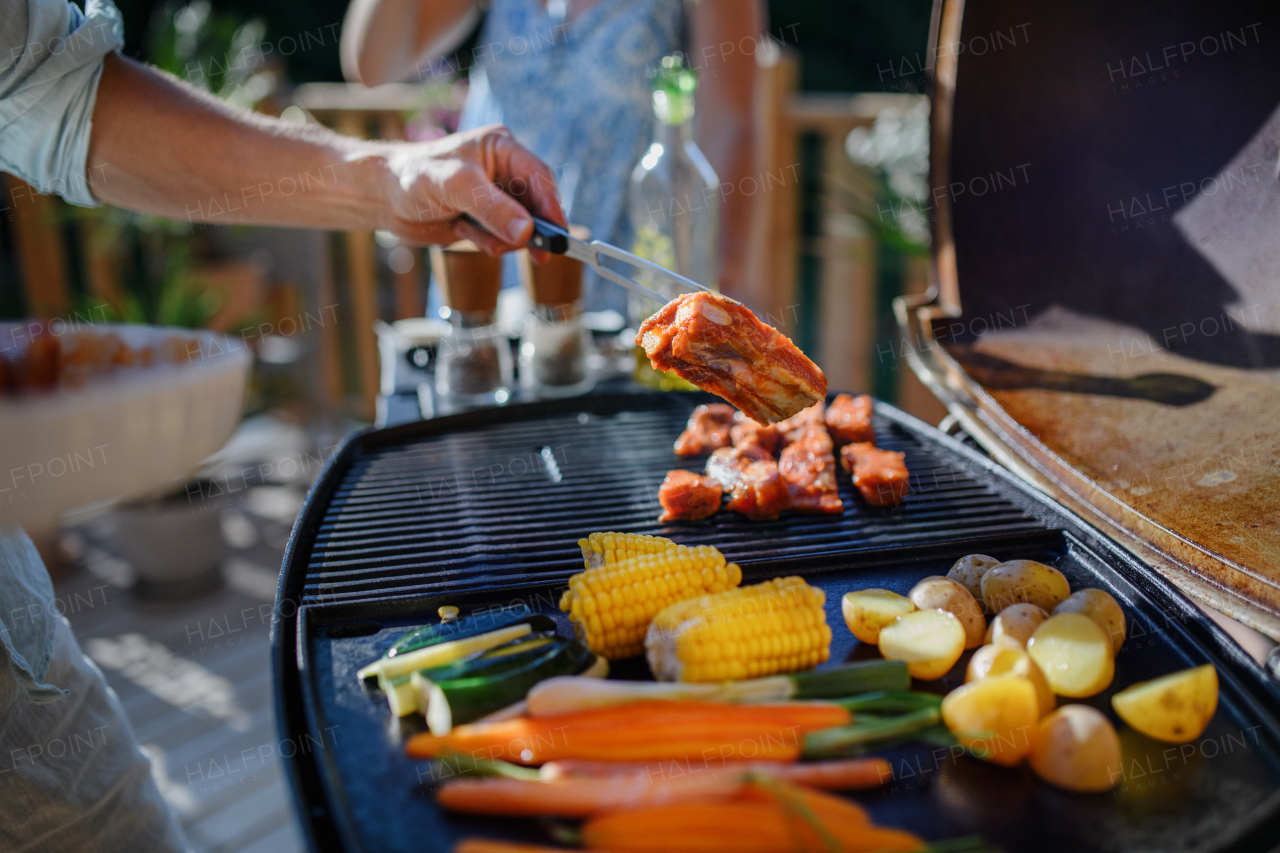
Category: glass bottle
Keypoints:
(675, 194)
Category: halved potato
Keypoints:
(952, 596)
(866, 611)
(1074, 654)
(1175, 708)
(1017, 581)
(994, 717)
(1016, 623)
(1099, 606)
(930, 641)
(1077, 748)
(998, 660)
(969, 570)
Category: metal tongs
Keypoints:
(550, 237)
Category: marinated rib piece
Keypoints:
(720, 346)
(756, 488)
(791, 429)
(880, 475)
(686, 496)
(809, 468)
(747, 433)
(708, 428)
(849, 419)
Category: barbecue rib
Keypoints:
(756, 487)
(880, 475)
(720, 346)
(809, 468)
(708, 428)
(849, 419)
(747, 433)
(686, 496)
(793, 427)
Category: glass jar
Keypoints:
(553, 351)
(473, 363)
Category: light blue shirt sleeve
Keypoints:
(50, 63)
(27, 615)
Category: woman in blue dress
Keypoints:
(570, 78)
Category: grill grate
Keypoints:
(506, 503)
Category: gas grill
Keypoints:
(483, 510)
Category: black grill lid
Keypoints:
(382, 543)
(1104, 207)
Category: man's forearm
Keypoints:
(163, 148)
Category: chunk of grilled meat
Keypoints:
(720, 346)
(809, 468)
(686, 496)
(756, 487)
(880, 475)
(849, 419)
(791, 429)
(708, 428)
(748, 433)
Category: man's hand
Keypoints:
(162, 147)
(484, 174)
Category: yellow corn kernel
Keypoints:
(601, 549)
(748, 632)
(611, 604)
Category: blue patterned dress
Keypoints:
(578, 95)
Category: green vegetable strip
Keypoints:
(851, 679)
(443, 653)
(842, 740)
(461, 629)
(889, 702)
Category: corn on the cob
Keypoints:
(759, 630)
(605, 549)
(611, 605)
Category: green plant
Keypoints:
(217, 51)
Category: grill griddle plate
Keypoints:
(483, 510)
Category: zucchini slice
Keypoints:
(461, 700)
(461, 629)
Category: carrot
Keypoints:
(845, 775)
(489, 845)
(777, 820)
(841, 775)
(583, 797)
(643, 731)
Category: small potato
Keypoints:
(1176, 708)
(866, 611)
(1074, 654)
(1077, 748)
(994, 717)
(1016, 623)
(1024, 580)
(998, 660)
(952, 596)
(1099, 606)
(930, 641)
(969, 571)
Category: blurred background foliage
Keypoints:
(846, 44)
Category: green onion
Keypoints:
(889, 702)
(846, 740)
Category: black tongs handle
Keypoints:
(549, 237)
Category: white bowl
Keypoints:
(127, 432)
